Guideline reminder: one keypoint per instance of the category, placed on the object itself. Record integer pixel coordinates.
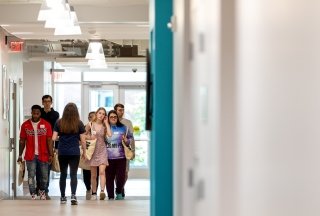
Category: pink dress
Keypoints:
(100, 155)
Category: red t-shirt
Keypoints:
(44, 132)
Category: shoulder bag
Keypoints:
(90, 145)
(127, 150)
(55, 166)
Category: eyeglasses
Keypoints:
(113, 117)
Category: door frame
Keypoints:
(94, 85)
(12, 117)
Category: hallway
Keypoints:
(136, 203)
(85, 208)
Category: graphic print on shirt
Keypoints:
(114, 143)
(40, 132)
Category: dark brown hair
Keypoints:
(69, 123)
(118, 105)
(118, 123)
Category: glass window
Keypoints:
(135, 110)
(141, 159)
(101, 98)
(65, 93)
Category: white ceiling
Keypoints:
(98, 19)
(121, 21)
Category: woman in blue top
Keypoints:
(116, 157)
(70, 131)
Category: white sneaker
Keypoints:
(74, 200)
(88, 195)
(93, 197)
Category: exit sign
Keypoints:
(16, 46)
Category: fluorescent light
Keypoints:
(95, 51)
(60, 15)
(95, 55)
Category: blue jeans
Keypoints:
(38, 177)
(32, 168)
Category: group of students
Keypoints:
(108, 162)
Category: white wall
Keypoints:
(196, 107)
(278, 96)
(33, 88)
(13, 62)
(183, 150)
(256, 152)
(4, 144)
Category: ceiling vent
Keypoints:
(78, 48)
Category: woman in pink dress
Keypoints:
(98, 129)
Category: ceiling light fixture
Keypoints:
(95, 55)
(58, 14)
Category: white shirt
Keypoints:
(36, 145)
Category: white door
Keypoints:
(99, 95)
(12, 138)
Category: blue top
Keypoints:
(69, 143)
(114, 143)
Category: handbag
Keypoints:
(90, 145)
(22, 168)
(83, 163)
(55, 166)
(127, 150)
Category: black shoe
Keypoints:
(74, 200)
(123, 194)
(63, 200)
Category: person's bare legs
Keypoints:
(102, 175)
(93, 170)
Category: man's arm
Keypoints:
(132, 143)
(83, 145)
(22, 144)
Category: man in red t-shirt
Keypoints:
(35, 136)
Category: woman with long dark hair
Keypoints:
(70, 131)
